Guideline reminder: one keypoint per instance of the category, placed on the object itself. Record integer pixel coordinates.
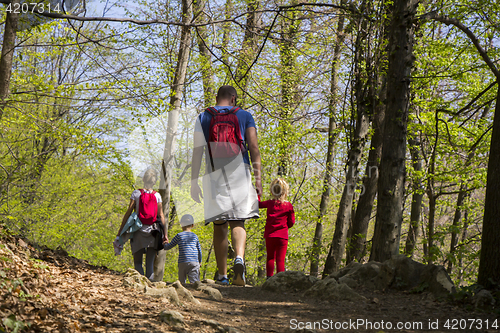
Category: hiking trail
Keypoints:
(48, 291)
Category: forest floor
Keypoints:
(48, 291)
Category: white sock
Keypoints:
(222, 276)
(240, 258)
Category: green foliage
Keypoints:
(65, 178)
(420, 288)
(62, 178)
(454, 134)
(13, 324)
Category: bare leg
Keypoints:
(220, 246)
(238, 237)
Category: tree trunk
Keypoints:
(325, 194)
(377, 96)
(207, 71)
(462, 195)
(226, 36)
(462, 240)
(424, 235)
(207, 261)
(431, 193)
(416, 200)
(176, 93)
(392, 166)
(364, 208)
(430, 227)
(248, 52)
(8, 46)
(177, 90)
(489, 262)
(345, 206)
(289, 81)
(361, 91)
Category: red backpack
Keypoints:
(224, 138)
(148, 207)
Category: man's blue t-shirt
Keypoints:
(245, 120)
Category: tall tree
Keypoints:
(289, 81)
(462, 196)
(489, 262)
(360, 135)
(176, 93)
(392, 165)
(248, 51)
(8, 46)
(364, 208)
(207, 71)
(455, 229)
(377, 98)
(417, 196)
(226, 37)
(332, 105)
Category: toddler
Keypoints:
(280, 217)
(189, 251)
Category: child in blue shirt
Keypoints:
(189, 251)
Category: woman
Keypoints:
(147, 204)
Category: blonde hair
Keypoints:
(150, 177)
(279, 189)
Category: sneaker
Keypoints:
(224, 281)
(239, 272)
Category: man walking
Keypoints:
(226, 134)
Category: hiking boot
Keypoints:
(223, 281)
(239, 272)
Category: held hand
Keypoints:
(196, 193)
(258, 187)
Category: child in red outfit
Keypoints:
(280, 217)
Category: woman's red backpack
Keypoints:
(148, 207)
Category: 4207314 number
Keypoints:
(468, 324)
(33, 7)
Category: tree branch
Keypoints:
(33, 9)
(469, 33)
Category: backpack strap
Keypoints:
(143, 191)
(234, 109)
(213, 111)
(139, 202)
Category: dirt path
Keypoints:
(77, 297)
